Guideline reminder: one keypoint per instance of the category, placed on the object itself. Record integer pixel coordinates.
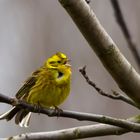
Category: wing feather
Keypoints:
(29, 83)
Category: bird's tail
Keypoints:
(10, 114)
(22, 117)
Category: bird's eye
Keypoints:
(59, 62)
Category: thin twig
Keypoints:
(115, 95)
(131, 126)
(124, 28)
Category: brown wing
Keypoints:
(29, 83)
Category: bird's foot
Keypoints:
(58, 111)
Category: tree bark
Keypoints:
(117, 65)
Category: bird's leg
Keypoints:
(58, 111)
(37, 107)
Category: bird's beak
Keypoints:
(67, 63)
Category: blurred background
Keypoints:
(33, 30)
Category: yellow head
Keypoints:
(57, 60)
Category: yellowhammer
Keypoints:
(47, 87)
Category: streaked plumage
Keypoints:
(47, 87)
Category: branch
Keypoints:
(123, 26)
(73, 133)
(115, 96)
(131, 126)
(121, 70)
(6, 99)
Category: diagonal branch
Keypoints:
(123, 26)
(117, 65)
(115, 95)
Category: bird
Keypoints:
(48, 87)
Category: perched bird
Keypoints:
(47, 87)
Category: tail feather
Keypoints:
(23, 117)
(9, 114)
(25, 121)
(19, 116)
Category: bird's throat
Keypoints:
(60, 74)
